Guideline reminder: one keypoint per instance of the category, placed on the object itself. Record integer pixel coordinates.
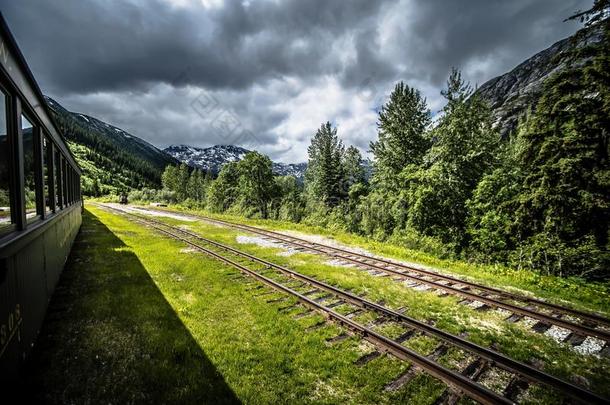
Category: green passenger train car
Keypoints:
(40, 206)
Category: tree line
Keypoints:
(537, 199)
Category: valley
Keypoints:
(423, 216)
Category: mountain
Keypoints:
(296, 170)
(112, 159)
(207, 158)
(214, 157)
(512, 94)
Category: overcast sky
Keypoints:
(265, 74)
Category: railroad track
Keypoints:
(468, 375)
(573, 326)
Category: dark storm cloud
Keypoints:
(93, 46)
(503, 33)
(280, 67)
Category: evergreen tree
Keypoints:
(563, 211)
(191, 186)
(208, 178)
(324, 176)
(491, 209)
(182, 180)
(224, 191)
(353, 167)
(196, 186)
(402, 134)
(169, 178)
(201, 186)
(292, 204)
(463, 150)
(464, 140)
(596, 14)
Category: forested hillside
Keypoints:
(536, 198)
(112, 160)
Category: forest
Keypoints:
(107, 167)
(537, 199)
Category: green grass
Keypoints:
(574, 292)
(484, 328)
(137, 320)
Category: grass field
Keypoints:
(137, 318)
(575, 292)
(134, 319)
(485, 328)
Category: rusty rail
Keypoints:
(452, 378)
(365, 262)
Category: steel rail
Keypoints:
(573, 326)
(454, 379)
(502, 361)
(508, 295)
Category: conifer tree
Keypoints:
(182, 182)
(353, 167)
(402, 124)
(324, 176)
(563, 212)
(169, 178)
(292, 204)
(597, 13)
(463, 150)
(196, 186)
(224, 191)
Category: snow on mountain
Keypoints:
(214, 157)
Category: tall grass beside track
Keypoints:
(572, 291)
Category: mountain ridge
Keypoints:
(111, 158)
(214, 157)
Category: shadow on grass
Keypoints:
(110, 336)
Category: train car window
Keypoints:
(6, 219)
(73, 186)
(29, 168)
(47, 150)
(70, 185)
(68, 201)
(73, 196)
(58, 200)
(64, 167)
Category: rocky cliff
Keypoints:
(512, 94)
